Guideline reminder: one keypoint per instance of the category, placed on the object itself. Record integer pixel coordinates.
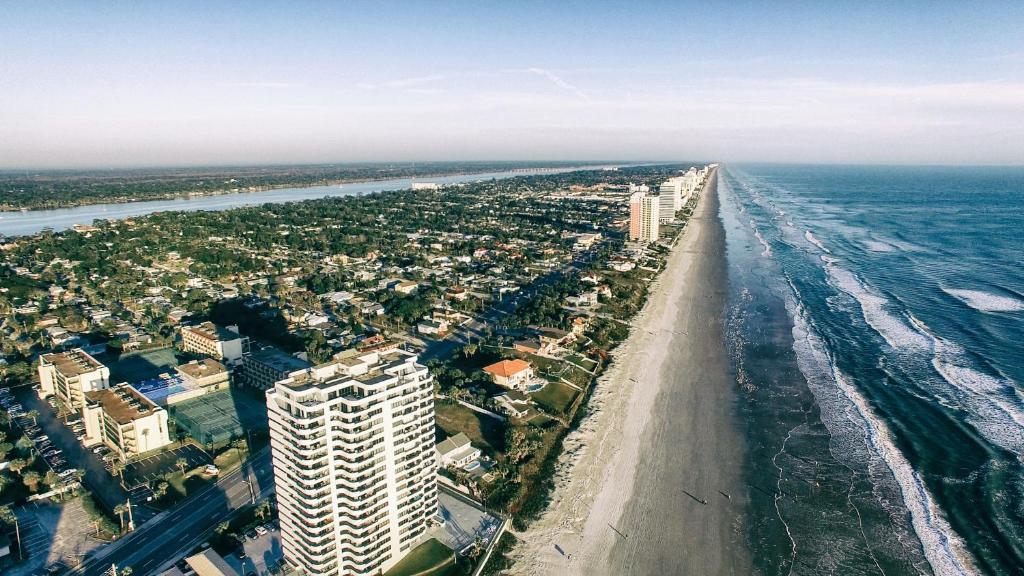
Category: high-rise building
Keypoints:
(354, 462)
(644, 212)
(670, 195)
(69, 375)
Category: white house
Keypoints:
(457, 451)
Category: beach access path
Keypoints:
(642, 484)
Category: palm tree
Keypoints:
(7, 516)
(263, 510)
(120, 509)
(24, 443)
(117, 467)
(51, 479)
(17, 465)
(181, 463)
(31, 479)
(33, 414)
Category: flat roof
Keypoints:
(279, 360)
(201, 368)
(123, 403)
(211, 331)
(73, 362)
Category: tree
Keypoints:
(263, 510)
(52, 479)
(7, 516)
(24, 443)
(31, 479)
(5, 449)
(33, 414)
(117, 468)
(17, 465)
(120, 510)
(181, 463)
(222, 528)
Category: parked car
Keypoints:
(261, 530)
(252, 535)
(268, 526)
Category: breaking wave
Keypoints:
(864, 438)
(897, 333)
(810, 238)
(986, 301)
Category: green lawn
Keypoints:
(432, 558)
(484, 432)
(555, 397)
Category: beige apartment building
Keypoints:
(70, 375)
(125, 420)
(208, 339)
(354, 462)
(643, 217)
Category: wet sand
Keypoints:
(661, 440)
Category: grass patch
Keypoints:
(432, 558)
(485, 432)
(556, 397)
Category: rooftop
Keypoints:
(506, 368)
(73, 362)
(279, 360)
(453, 443)
(211, 331)
(201, 368)
(123, 403)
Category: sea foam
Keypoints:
(986, 301)
(897, 333)
(810, 238)
(852, 421)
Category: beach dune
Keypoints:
(650, 483)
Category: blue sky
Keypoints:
(109, 84)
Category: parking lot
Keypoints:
(52, 454)
(260, 553)
(464, 521)
(53, 535)
(155, 466)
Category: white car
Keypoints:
(261, 530)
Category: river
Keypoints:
(33, 221)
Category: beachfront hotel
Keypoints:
(354, 461)
(70, 375)
(644, 212)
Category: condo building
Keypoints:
(122, 418)
(221, 343)
(354, 461)
(70, 375)
(644, 213)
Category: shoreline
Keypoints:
(188, 195)
(621, 503)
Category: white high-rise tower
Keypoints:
(354, 462)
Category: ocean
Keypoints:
(875, 327)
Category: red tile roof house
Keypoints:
(513, 374)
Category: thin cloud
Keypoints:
(260, 84)
(404, 82)
(558, 81)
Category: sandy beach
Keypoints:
(642, 484)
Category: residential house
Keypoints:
(514, 374)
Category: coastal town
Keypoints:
(165, 377)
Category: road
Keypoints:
(160, 542)
(171, 535)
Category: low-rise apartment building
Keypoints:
(70, 375)
(219, 342)
(122, 418)
(263, 368)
